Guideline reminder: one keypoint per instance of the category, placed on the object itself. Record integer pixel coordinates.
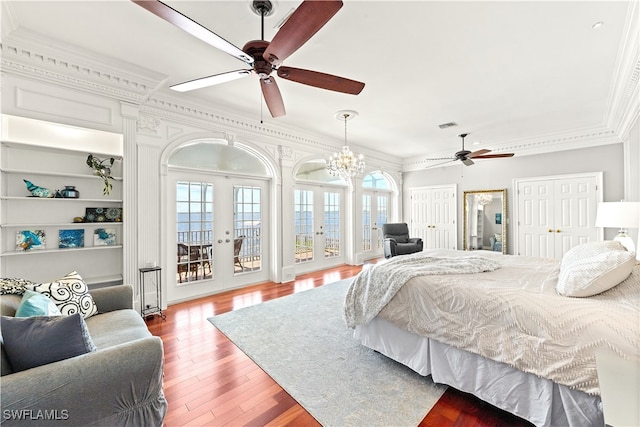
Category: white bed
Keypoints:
(504, 335)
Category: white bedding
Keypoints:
(514, 315)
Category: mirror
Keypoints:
(485, 218)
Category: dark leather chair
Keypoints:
(397, 240)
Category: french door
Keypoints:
(220, 227)
(319, 227)
(375, 213)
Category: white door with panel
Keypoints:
(319, 227)
(220, 227)
(555, 214)
(433, 216)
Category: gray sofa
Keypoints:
(119, 384)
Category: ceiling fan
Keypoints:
(264, 57)
(465, 156)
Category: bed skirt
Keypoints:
(536, 399)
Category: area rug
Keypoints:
(302, 342)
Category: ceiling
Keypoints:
(503, 71)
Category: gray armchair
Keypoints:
(397, 240)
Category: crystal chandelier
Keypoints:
(345, 163)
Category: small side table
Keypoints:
(151, 281)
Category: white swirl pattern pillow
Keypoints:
(70, 294)
(591, 275)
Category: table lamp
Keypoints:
(621, 215)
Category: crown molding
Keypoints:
(571, 140)
(28, 54)
(176, 109)
(623, 104)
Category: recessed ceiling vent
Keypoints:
(448, 125)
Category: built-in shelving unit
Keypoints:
(54, 156)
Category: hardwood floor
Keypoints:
(209, 382)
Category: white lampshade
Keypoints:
(618, 214)
(621, 215)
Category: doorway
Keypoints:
(220, 231)
(319, 227)
(375, 213)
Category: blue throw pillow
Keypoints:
(36, 304)
(38, 340)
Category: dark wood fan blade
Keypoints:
(321, 80)
(477, 153)
(187, 24)
(308, 18)
(272, 97)
(494, 156)
(210, 80)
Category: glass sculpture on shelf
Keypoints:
(38, 191)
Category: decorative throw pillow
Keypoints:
(587, 250)
(498, 237)
(36, 304)
(13, 286)
(70, 294)
(592, 275)
(35, 341)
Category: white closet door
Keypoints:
(443, 202)
(556, 214)
(433, 216)
(575, 213)
(535, 219)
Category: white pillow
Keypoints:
(588, 276)
(587, 250)
(70, 294)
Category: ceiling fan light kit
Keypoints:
(264, 57)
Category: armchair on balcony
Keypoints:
(397, 240)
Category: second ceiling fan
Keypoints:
(465, 156)
(264, 57)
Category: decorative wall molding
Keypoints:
(286, 153)
(230, 138)
(27, 54)
(205, 118)
(39, 102)
(148, 125)
(174, 109)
